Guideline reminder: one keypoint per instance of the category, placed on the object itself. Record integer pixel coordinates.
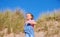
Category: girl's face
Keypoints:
(28, 16)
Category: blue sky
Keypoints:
(36, 7)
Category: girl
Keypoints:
(29, 25)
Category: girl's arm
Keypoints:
(32, 22)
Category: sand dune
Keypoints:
(37, 34)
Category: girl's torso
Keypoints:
(28, 28)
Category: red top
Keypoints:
(30, 21)
(32, 25)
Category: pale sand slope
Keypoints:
(37, 34)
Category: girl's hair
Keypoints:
(31, 15)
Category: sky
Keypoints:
(36, 7)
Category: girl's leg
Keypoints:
(32, 35)
(27, 35)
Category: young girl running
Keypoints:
(29, 25)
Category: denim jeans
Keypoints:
(29, 31)
(29, 35)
